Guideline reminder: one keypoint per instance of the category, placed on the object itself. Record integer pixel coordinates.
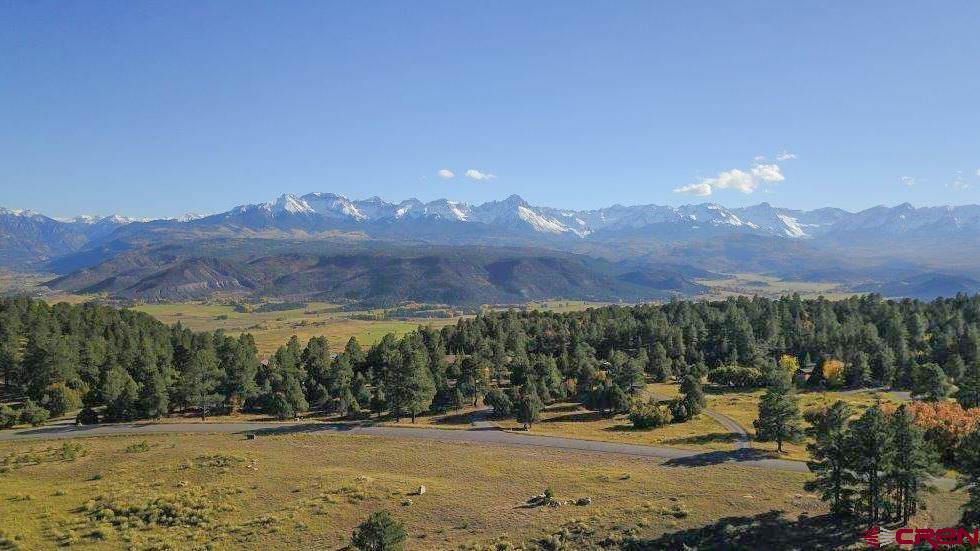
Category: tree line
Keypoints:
(62, 356)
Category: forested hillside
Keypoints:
(61, 357)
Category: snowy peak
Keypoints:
(289, 203)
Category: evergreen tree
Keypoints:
(858, 372)
(528, 407)
(659, 366)
(968, 394)
(871, 443)
(779, 414)
(199, 381)
(831, 457)
(692, 394)
(912, 464)
(498, 400)
(931, 383)
(410, 388)
(380, 532)
(239, 363)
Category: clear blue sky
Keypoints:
(164, 108)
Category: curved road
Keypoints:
(480, 434)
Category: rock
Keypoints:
(406, 502)
(420, 491)
(583, 501)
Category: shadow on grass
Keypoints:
(301, 428)
(578, 417)
(562, 408)
(463, 418)
(701, 439)
(719, 457)
(770, 530)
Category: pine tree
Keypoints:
(931, 382)
(693, 395)
(913, 463)
(410, 388)
(199, 381)
(831, 457)
(380, 532)
(659, 364)
(858, 373)
(528, 407)
(968, 394)
(779, 414)
(870, 441)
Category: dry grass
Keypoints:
(273, 329)
(768, 286)
(743, 407)
(573, 421)
(308, 492)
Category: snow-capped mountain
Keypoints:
(514, 221)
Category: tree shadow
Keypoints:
(719, 457)
(300, 428)
(770, 530)
(578, 417)
(562, 408)
(701, 439)
(462, 418)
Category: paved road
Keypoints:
(479, 435)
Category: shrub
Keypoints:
(33, 414)
(736, 376)
(650, 415)
(87, 416)
(380, 532)
(679, 411)
(8, 417)
(499, 401)
(59, 399)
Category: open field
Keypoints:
(308, 492)
(273, 329)
(564, 305)
(768, 286)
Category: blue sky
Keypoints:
(163, 108)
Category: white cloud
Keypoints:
(786, 156)
(908, 181)
(978, 172)
(446, 173)
(475, 174)
(758, 158)
(744, 181)
(695, 189)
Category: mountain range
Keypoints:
(877, 248)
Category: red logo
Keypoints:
(876, 537)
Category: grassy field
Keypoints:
(309, 492)
(743, 407)
(564, 305)
(768, 286)
(273, 329)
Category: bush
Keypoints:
(650, 415)
(8, 417)
(499, 401)
(736, 376)
(59, 399)
(679, 411)
(380, 532)
(33, 414)
(87, 416)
